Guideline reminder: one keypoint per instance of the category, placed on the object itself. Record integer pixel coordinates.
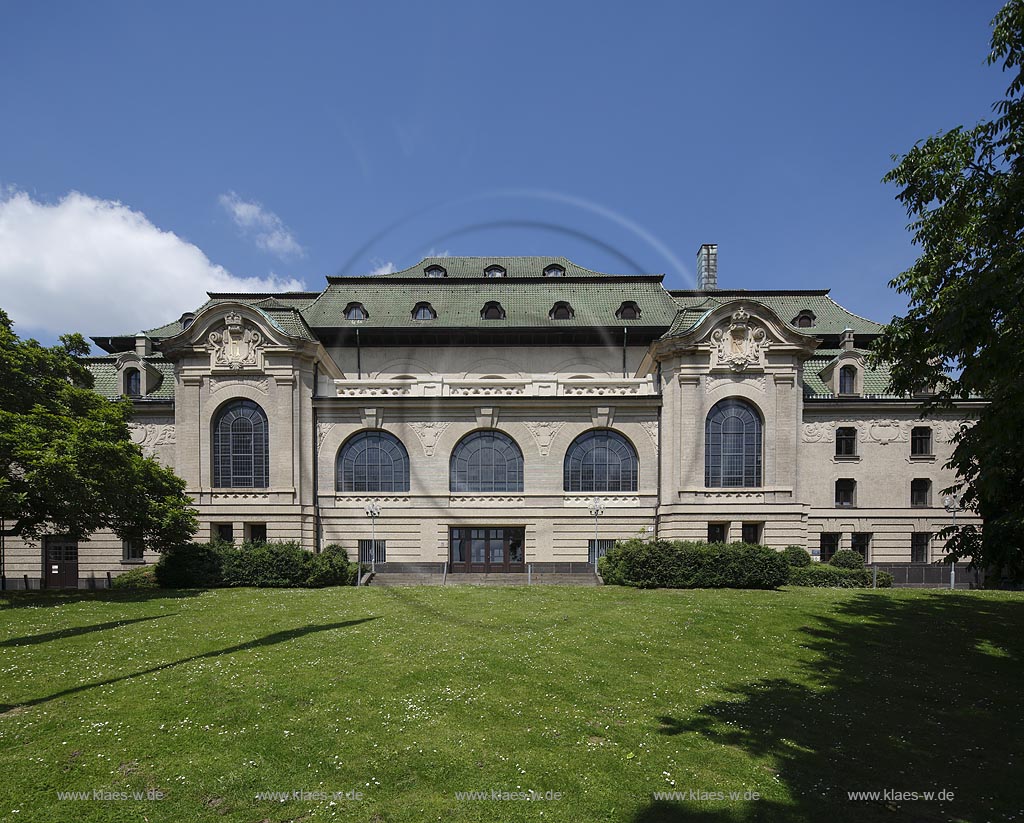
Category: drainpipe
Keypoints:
(657, 457)
(317, 538)
(359, 356)
(624, 334)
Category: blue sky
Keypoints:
(270, 144)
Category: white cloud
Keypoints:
(265, 227)
(98, 267)
(382, 266)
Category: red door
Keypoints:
(60, 561)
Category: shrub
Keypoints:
(847, 559)
(796, 556)
(192, 566)
(330, 568)
(267, 565)
(823, 575)
(679, 565)
(144, 577)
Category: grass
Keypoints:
(606, 695)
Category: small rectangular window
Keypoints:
(921, 441)
(602, 546)
(861, 543)
(257, 532)
(920, 492)
(752, 532)
(846, 441)
(829, 545)
(718, 532)
(846, 493)
(131, 551)
(224, 532)
(367, 550)
(919, 542)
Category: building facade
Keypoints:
(481, 405)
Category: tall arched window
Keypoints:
(601, 461)
(848, 380)
(373, 461)
(732, 445)
(132, 383)
(486, 461)
(241, 446)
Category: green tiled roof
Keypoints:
(876, 381)
(104, 375)
(830, 317)
(459, 304)
(475, 266)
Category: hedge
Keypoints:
(144, 577)
(796, 556)
(847, 559)
(265, 565)
(683, 565)
(823, 575)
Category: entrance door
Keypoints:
(486, 549)
(60, 558)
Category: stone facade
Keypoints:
(321, 378)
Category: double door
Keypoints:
(487, 549)
(60, 563)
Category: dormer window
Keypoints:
(848, 380)
(628, 311)
(133, 383)
(561, 311)
(494, 271)
(435, 271)
(554, 270)
(492, 310)
(186, 319)
(424, 311)
(805, 319)
(355, 311)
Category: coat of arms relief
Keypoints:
(739, 347)
(237, 346)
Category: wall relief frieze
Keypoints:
(150, 436)
(544, 432)
(429, 432)
(714, 381)
(217, 384)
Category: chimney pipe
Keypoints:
(707, 267)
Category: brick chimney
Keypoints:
(846, 341)
(707, 267)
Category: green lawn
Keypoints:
(605, 695)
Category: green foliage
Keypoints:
(847, 559)
(274, 565)
(964, 331)
(192, 566)
(143, 577)
(678, 565)
(67, 463)
(330, 568)
(796, 556)
(823, 575)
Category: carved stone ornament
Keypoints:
(429, 431)
(236, 346)
(544, 432)
(741, 346)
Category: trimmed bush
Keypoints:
(330, 568)
(678, 565)
(266, 565)
(847, 559)
(144, 577)
(823, 575)
(192, 566)
(796, 556)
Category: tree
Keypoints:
(964, 330)
(67, 463)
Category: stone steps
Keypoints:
(387, 579)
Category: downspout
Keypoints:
(661, 441)
(317, 539)
(624, 333)
(359, 356)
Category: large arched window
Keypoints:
(373, 461)
(486, 461)
(601, 461)
(241, 447)
(732, 445)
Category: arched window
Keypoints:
(732, 445)
(486, 461)
(355, 311)
(241, 447)
(848, 380)
(561, 311)
(435, 271)
(494, 271)
(628, 311)
(554, 270)
(423, 311)
(492, 310)
(132, 383)
(601, 461)
(372, 461)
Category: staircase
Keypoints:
(424, 578)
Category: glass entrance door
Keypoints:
(485, 549)
(60, 559)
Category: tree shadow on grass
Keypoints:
(47, 599)
(905, 694)
(35, 639)
(268, 640)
